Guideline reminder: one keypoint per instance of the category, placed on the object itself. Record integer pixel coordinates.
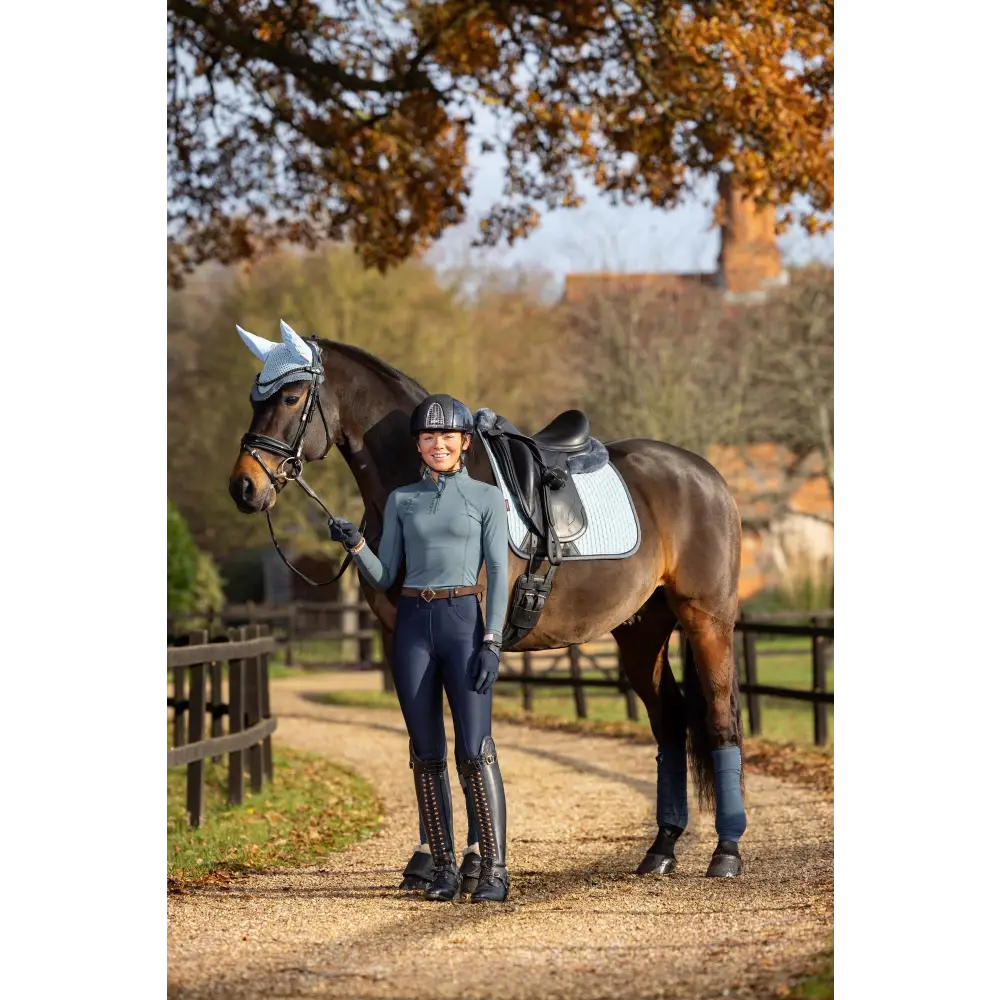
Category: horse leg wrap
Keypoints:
(730, 816)
(671, 786)
(671, 810)
(434, 801)
(483, 775)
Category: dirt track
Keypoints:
(578, 924)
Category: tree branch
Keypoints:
(243, 40)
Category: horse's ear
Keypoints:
(295, 342)
(260, 347)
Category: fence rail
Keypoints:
(234, 664)
(566, 668)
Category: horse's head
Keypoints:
(290, 424)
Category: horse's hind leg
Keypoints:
(643, 646)
(712, 696)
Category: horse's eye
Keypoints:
(291, 400)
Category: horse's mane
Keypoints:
(373, 363)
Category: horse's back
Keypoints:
(660, 461)
(687, 509)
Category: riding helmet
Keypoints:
(441, 412)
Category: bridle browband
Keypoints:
(290, 469)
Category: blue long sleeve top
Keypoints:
(447, 530)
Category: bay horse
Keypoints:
(685, 571)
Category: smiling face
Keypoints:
(442, 450)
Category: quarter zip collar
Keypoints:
(442, 476)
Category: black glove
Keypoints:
(342, 530)
(488, 663)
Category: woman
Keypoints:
(446, 525)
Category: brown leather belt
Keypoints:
(429, 594)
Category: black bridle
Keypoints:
(290, 469)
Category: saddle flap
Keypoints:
(526, 470)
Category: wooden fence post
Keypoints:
(351, 607)
(265, 702)
(388, 684)
(819, 686)
(180, 706)
(366, 622)
(750, 669)
(290, 634)
(215, 708)
(236, 675)
(527, 695)
(254, 709)
(579, 694)
(196, 733)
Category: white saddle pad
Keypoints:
(612, 526)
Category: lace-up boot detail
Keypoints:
(434, 799)
(483, 775)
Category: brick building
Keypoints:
(749, 262)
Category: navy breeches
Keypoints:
(435, 649)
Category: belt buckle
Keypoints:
(427, 594)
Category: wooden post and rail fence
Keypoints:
(222, 680)
(576, 667)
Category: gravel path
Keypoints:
(577, 924)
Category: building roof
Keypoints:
(583, 287)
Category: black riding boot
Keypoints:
(434, 800)
(469, 868)
(483, 775)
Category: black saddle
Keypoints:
(537, 467)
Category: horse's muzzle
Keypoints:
(251, 498)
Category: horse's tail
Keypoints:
(700, 746)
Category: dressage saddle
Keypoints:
(537, 468)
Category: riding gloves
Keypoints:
(488, 662)
(342, 530)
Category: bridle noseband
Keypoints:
(290, 469)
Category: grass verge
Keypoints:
(818, 986)
(312, 808)
(800, 765)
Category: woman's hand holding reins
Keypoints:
(342, 530)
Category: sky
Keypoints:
(601, 237)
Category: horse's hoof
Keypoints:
(656, 864)
(418, 872)
(725, 862)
